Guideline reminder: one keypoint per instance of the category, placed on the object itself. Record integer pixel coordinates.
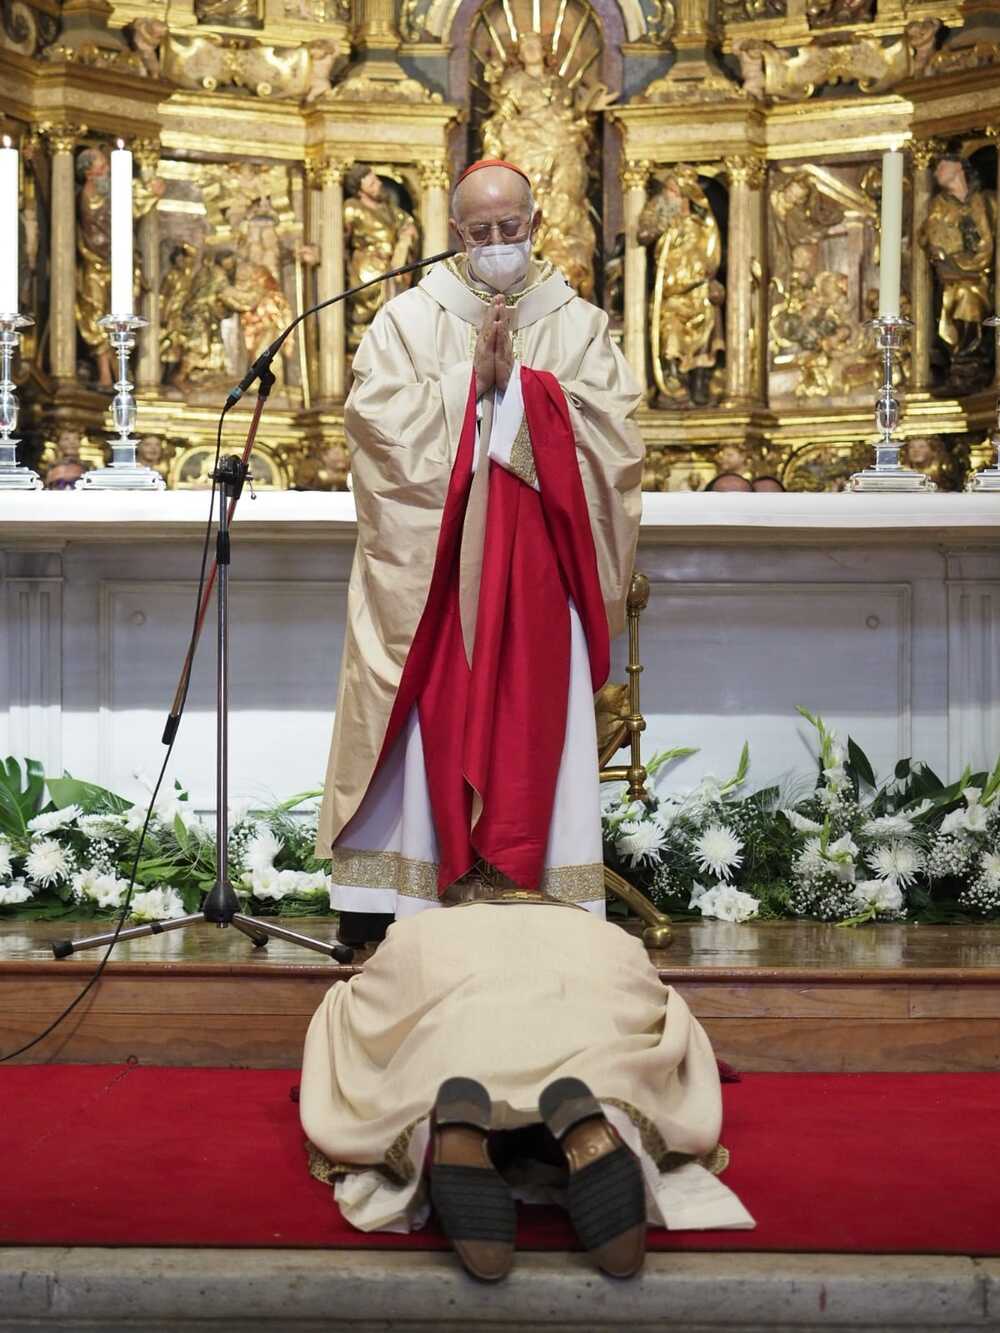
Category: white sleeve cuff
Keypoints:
(507, 417)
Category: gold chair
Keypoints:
(620, 723)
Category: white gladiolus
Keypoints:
(801, 823)
(103, 889)
(15, 892)
(884, 895)
(160, 904)
(53, 819)
(726, 903)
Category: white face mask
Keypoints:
(501, 266)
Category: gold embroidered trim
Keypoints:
(384, 870)
(574, 884)
(522, 456)
(715, 1161)
(395, 1165)
(459, 266)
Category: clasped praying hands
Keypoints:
(493, 359)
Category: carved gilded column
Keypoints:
(635, 174)
(921, 279)
(62, 139)
(327, 177)
(746, 176)
(994, 132)
(149, 369)
(434, 201)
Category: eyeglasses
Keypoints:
(510, 229)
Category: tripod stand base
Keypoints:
(259, 932)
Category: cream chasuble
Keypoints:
(403, 420)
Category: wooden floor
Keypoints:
(776, 996)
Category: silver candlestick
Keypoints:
(888, 474)
(988, 478)
(123, 473)
(12, 477)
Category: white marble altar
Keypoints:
(880, 612)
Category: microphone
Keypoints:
(262, 365)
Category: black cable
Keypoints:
(126, 904)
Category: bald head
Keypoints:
(491, 189)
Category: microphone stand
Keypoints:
(221, 906)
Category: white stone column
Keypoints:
(921, 278)
(149, 368)
(62, 140)
(634, 335)
(746, 176)
(434, 206)
(329, 176)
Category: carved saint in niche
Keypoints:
(686, 312)
(93, 250)
(542, 119)
(959, 238)
(379, 235)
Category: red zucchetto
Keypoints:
(490, 162)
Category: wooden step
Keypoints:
(774, 996)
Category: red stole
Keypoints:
(499, 726)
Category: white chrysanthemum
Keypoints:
(901, 861)
(6, 858)
(989, 870)
(15, 892)
(48, 862)
(640, 841)
(726, 903)
(884, 895)
(101, 826)
(53, 819)
(801, 823)
(666, 813)
(717, 851)
(160, 904)
(886, 827)
(261, 850)
(105, 890)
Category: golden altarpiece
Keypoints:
(709, 174)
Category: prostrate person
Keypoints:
(472, 1028)
(496, 476)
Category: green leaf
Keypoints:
(91, 798)
(21, 795)
(180, 831)
(902, 771)
(860, 763)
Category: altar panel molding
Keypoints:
(973, 680)
(33, 609)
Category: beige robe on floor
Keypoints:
(514, 995)
(403, 422)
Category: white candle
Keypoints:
(890, 253)
(121, 231)
(8, 228)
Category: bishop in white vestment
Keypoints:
(496, 474)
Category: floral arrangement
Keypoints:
(67, 848)
(844, 847)
(849, 849)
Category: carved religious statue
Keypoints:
(379, 235)
(686, 314)
(542, 120)
(959, 238)
(93, 247)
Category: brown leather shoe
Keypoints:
(473, 1202)
(606, 1195)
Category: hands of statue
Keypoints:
(493, 358)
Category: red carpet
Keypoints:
(92, 1155)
